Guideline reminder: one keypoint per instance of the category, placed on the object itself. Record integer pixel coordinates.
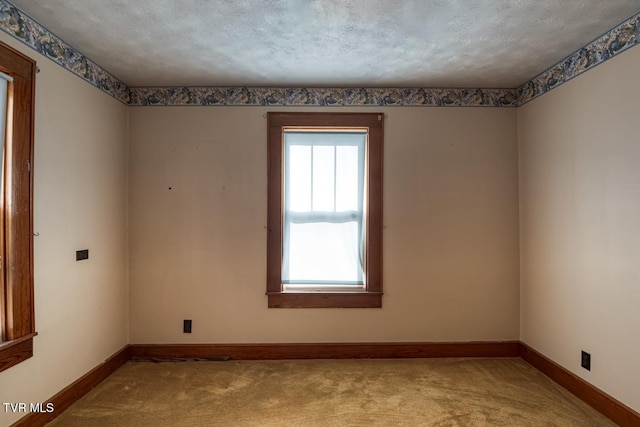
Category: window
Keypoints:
(324, 240)
(16, 209)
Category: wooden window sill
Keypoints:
(15, 351)
(324, 299)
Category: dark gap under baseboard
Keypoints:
(180, 359)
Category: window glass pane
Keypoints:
(322, 223)
(347, 179)
(324, 252)
(3, 114)
(299, 179)
(323, 178)
(3, 117)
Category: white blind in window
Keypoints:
(4, 82)
(324, 204)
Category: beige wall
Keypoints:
(80, 202)
(579, 220)
(198, 250)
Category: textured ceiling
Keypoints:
(368, 43)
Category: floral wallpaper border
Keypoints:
(235, 96)
(611, 43)
(21, 26)
(16, 23)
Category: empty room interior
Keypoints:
(497, 219)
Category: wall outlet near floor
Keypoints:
(186, 326)
(586, 361)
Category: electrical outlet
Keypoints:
(186, 326)
(586, 361)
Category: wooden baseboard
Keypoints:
(74, 391)
(325, 350)
(599, 400)
(607, 405)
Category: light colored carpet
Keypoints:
(406, 392)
